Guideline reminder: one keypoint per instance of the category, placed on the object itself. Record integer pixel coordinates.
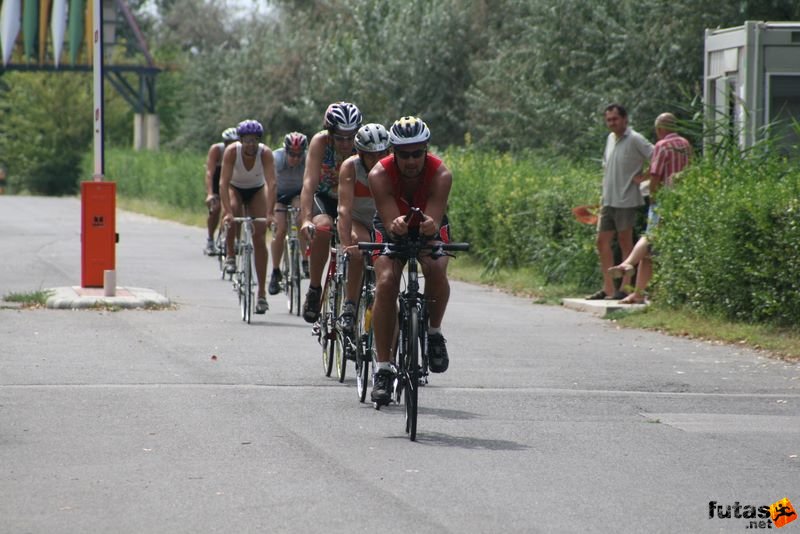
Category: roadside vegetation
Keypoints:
(513, 91)
(31, 299)
(728, 262)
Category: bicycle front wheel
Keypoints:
(293, 282)
(327, 331)
(247, 286)
(340, 341)
(363, 346)
(411, 373)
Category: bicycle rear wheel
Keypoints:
(327, 332)
(286, 271)
(411, 373)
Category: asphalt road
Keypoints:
(549, 420)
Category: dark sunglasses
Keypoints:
(343, 138)
(402, 154)
(295, 154)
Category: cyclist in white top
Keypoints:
(357, 209)
(248, 166)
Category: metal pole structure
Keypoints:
(99, 148)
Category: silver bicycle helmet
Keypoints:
(372, 138)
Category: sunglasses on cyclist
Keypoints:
(403, 154)
(295, 154)
(343, 138)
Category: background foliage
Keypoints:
(513, 91)
(501, 74)
(730, 243)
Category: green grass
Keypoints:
(162, 210)
(523, 281)
(777, 342)
(781, 342)
(33, 299)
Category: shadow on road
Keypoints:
(466, 442)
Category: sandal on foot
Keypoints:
(633, 298)
(619, 271)
(597, 295)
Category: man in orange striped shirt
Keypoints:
(671, 155)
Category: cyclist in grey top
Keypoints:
(290, 165)
(357, 208)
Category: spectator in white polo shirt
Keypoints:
(624, 158)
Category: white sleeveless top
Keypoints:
(244, 179)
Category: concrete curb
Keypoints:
(600, 307)
(75, 297)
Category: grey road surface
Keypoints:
(549, 420)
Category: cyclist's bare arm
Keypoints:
(347, 179)
(316, 151)
(228, 161)
(211, 166)
(268, 163)
(437, 201)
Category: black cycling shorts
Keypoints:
(325, 204)
(248, 193)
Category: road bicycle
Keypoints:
(290, 263)
(326, 328)
(412, 341)
(243, 282)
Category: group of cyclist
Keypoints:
(361, 179)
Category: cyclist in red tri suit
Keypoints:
(411, 177)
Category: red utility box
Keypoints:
(98, 231)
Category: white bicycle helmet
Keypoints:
(342, 116)
(230, 135)
(372, 138)
(409, 131)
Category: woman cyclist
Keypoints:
(357, 208)
(318, 200)
(247, 167)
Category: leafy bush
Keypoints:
(518, 211)
(46, 126)
(172, 178)
(730, 243)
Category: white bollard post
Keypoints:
(109, 283)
